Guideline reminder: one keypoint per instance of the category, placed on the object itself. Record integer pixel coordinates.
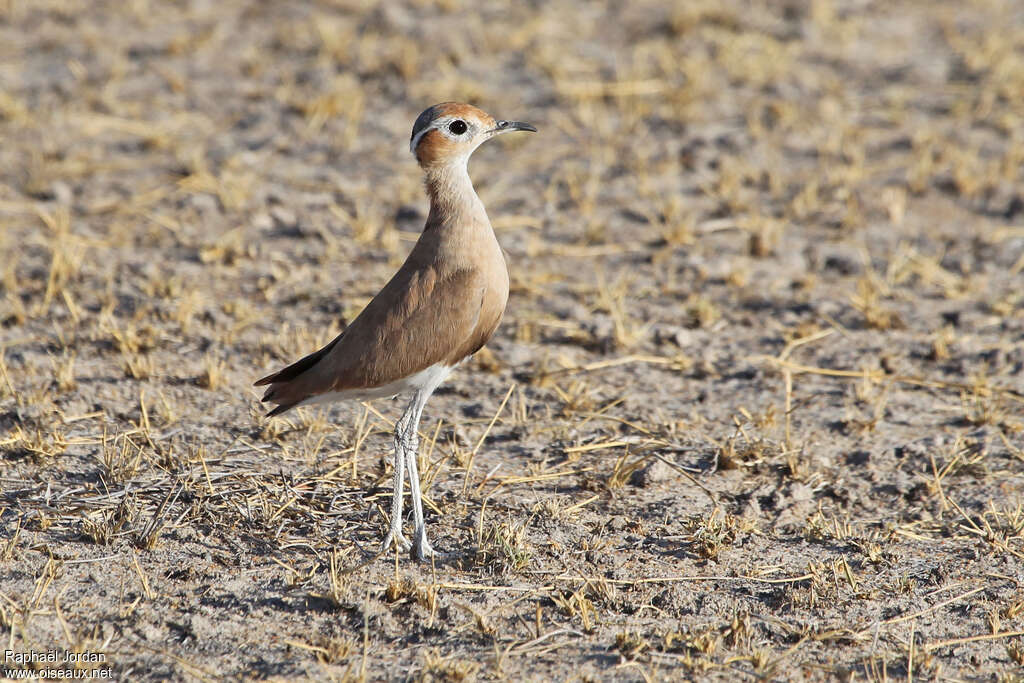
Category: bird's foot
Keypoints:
(425, 551)
(395, 538)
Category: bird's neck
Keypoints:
(453, 201)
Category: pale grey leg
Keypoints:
(411, 440)
(407, 442)
(420, 542)
(395, 536)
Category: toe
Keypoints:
(425, 551)
(396, 540)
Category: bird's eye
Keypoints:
(457, 127)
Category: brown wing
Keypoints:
(418, 320)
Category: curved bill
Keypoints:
(506, 126)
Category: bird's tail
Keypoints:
(284, 386)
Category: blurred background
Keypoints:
(728, 206)
(236, 127)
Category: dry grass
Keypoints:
(755, 409)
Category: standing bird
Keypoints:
(441, 307)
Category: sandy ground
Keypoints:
(755, 410)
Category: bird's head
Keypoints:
(447, 133)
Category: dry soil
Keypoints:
(755, 410)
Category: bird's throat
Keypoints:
(452, 197)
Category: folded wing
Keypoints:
(420, 318)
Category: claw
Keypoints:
(395, 539)
(424, 550)
(426, 553)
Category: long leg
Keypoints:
(395, 535)
(420, 543)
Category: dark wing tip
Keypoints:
(280, 409)
(269, 379)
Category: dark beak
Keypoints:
(506, 126)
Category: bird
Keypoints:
(441, 307)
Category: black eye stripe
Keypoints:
(458, 127)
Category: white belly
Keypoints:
(425, 380)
